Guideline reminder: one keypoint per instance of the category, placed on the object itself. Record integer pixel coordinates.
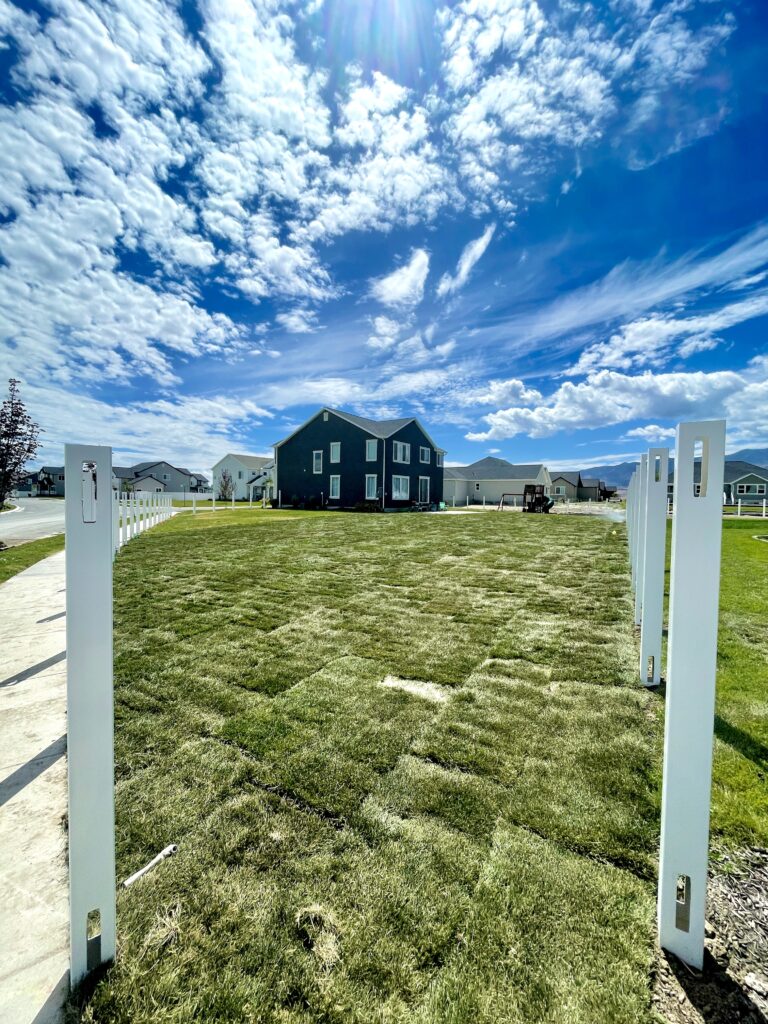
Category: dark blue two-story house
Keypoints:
(342, 461)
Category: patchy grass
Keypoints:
(740, 774)
(739, 814)
(14, 559)
(407, 765)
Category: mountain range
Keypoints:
(619, 475)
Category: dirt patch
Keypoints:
(734, 983)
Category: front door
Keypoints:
(424, 490)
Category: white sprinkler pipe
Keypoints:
(163, 855)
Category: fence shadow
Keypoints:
(27, 673)
(30, 770)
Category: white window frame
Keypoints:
(368, 442)
(422, 451)
(424, 500)
(368, 495)
(559, 489)
(401, 452)
(744, 489)
(438, 459)
(397, 488)
(337, 480)
(337, 446)
(314, 462)
(760, 488)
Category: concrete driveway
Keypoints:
(36, 518)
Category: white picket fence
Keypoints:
(133, 514)
(697, 525)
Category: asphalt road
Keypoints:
(37, 517)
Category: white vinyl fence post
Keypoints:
(115, 523)
(691, 669)
(739, 511)
(764, 501)
(194, 504)
(90, 718)
(655, 530)
(233, 497)
(640, 543)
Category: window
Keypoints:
(371, 486)
(335, 451)
(401, 488)
(401, 452)
(325, 417)
(165, 476)
(61, 477)
(371, 449)
(750, 488)
(559, 489)
(424, 455)
(477, 487)
(239, 474)
(335, 491)
(317, 462)
(438, 458)
(424, 489)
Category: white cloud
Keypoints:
(404, 287)
(607, 397)
(527, 84)
(469, 257)
(298, 321)
(652, 432)
(653, 339)
(189, 431)
(385, 332)
(631, 289)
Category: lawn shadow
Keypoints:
(742, 742)
(735, 737)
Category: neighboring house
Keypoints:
(50, 481)
(740, 480)
(27, 485)
(566, 486)
(148, 484)
(575, 487)
(590, 489)
(243, 468)
(490, 478)
(146, 476)
(343, 460)
(262, 483)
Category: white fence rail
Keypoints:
(133, 514)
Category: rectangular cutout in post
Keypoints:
(683, 903)
(650, 668)
(657, 469)
(93, 934)
(701, 452)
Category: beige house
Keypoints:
(490, 478)
(242, 468)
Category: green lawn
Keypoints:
(740, 773)
(21, 556)
(407, 765)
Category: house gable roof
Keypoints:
(252, 462)
(491, 468)
(376, 428)
(574, 479)
(589, 482)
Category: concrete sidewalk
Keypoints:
(34, 909)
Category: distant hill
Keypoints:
(619, 475)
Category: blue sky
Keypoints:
(541, 227)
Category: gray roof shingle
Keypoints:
(491, 468)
